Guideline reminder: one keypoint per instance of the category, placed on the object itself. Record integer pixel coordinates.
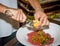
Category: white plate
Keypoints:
(54, 30)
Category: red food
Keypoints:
(50, 41)
(33, 38)
(40, 38)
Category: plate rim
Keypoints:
(21, 27)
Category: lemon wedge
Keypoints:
(36, 23)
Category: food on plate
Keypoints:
(35, 23)
(39, 38)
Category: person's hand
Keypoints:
(16, 14)
(42, 17)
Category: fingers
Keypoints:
(36, 16)
(22, 17)
(47, 22)
(18, 16)
(43, 20)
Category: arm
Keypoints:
(16, 14)
(3, 8)
(39, 13)
(36, 5)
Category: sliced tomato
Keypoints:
(48, 35)
(35, 38)
(50, 41)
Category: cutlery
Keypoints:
(29, 25)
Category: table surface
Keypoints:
(14, 41)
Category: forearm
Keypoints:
(36, 5)
(3, 8)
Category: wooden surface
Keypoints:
(48, 1)
(54, 21)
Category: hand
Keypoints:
(42, 17)
(16, 14)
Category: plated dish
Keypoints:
(54, 31)
(39, 38)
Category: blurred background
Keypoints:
(50, 7)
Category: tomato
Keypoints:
(40, 38)
(48, 35)
(50, 41)
(33, 38)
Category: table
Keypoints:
(14, 41)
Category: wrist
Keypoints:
(2, 9)
(5, 9)
(39, 10)
(8, 11)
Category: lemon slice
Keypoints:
(35, 23)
